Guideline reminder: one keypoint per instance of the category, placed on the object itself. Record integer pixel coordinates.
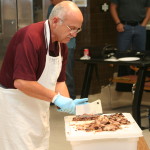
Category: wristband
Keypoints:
(118, 23)
(55, 97)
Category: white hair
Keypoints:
(62, 9)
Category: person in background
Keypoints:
(52, 4)
(33, 75)
(131, 23)
(70, 61)
(130, 17)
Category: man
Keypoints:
(130, 17)
(33, 75)
(70, 60)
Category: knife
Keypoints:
(90, 108)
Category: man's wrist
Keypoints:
(55, 97)
(118, 23)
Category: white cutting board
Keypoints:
(128, 131)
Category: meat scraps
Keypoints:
(100, 123)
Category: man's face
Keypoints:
(68, 28)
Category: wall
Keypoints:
(98, 30)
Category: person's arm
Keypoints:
(114, 13)
(34, 89)
(61, 88)
(147, 17)
(63, 103)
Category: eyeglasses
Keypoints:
(72, 30)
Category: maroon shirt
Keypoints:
(26, 55)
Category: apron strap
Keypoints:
(47, 35)
(59, 48)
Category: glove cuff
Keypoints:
(55, 97)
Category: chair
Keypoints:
(128, 79)
(131, 79)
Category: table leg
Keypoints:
(138, 95)
(87, 80)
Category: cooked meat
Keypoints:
(101, 122)
(85, 117)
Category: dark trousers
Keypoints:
(69, 73)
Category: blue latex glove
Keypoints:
(68, 105)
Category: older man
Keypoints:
(33, 75)
(70, 60)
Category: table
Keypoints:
(142, 64)
(142, 145)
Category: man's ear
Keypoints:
(54, 21)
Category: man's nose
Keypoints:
(74, 34)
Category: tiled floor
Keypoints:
(58, 140)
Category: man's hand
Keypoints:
(120, 27)
(68, 105)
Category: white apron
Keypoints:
(24, 120)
